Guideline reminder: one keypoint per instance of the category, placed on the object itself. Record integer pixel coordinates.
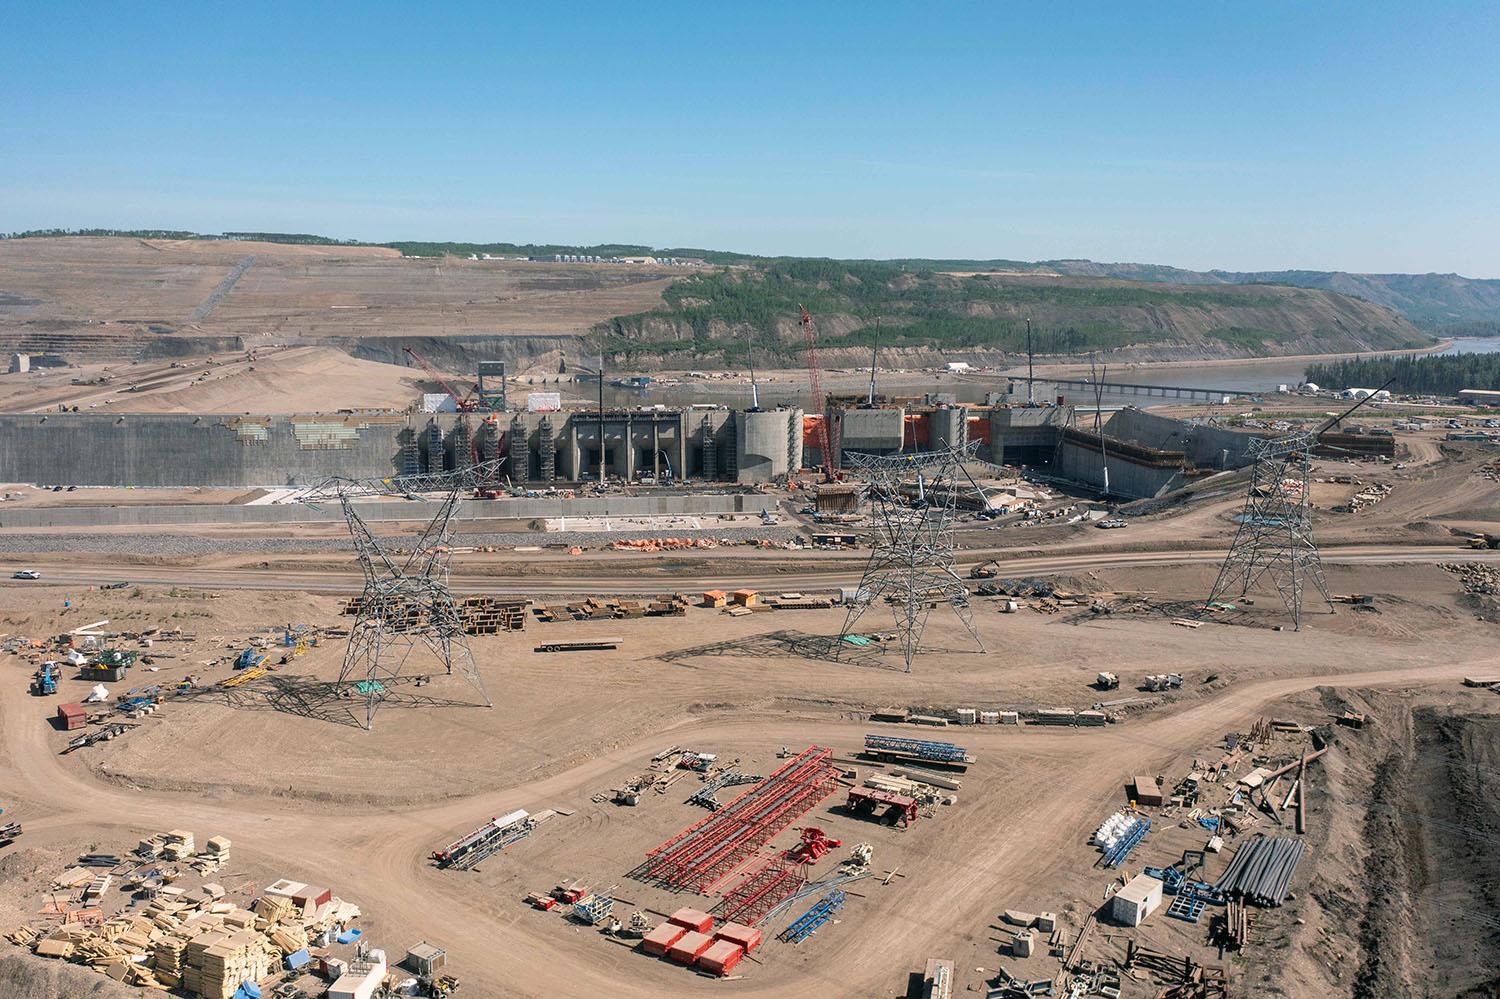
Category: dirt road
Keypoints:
(86, 571)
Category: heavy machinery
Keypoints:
(1107, 681)
(985, 570)
(465, 404)
(44, 680)
(814, 846)
(249, 659)
(1483, 542)
(443, 985)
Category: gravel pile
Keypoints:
(1475, 576)
(176, 544)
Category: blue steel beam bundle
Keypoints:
(808, 923)
(945, 752)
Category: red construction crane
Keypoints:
(819, 400)
(464, 403)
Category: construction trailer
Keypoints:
(581, 645)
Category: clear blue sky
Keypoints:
(1358, 136)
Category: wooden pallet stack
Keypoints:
(593, 609)
(479, 615)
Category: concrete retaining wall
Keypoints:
(1085, 465)
(1205, 447)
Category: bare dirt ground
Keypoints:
(116, 284)
(306, 795)
(271, 380)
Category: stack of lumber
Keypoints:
(216, 964)
(923, 793)
(194, 941)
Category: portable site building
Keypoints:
(425, 959)
(1137, 900)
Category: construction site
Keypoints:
(498, 683)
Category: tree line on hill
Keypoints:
(1447, 374)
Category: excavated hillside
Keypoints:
(924, 315)
(87, 299)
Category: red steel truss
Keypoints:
(775, 881)
(705, 853)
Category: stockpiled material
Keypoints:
(689, 947)
(1262, 869)
(664, 936)
(748, 937)
(692, 919)
(721, 957)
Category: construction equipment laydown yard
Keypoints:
(670, 763)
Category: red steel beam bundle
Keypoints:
(775, 881)
(705, 853)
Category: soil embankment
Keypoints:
(1409, 883)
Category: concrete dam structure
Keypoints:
(1145, 454)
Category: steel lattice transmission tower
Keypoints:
(1275, 537)
(406, 605)
(913, 498)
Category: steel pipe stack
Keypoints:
(1262, 869)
